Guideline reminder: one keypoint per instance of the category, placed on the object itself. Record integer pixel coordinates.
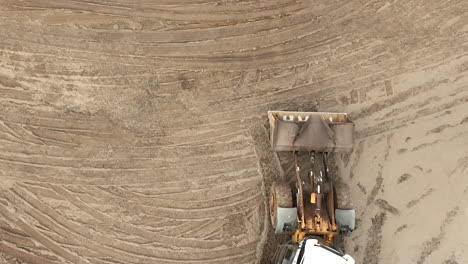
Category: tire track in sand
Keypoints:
(126, 128)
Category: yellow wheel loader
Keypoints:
(311, 206)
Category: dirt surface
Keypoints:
(133, 131)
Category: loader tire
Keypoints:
(343, 196)
(280, 196)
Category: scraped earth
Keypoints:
(135, 131)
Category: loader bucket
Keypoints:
(310, 131)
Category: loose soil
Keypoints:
(135, 131)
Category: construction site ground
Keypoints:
(136, 131)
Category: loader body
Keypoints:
(305, 205)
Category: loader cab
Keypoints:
(311, 250)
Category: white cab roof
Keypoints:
(315, 254)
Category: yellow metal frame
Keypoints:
(299, 234)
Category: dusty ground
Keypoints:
(131, 131)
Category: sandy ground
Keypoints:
(134, 131)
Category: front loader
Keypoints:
(310, 205)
